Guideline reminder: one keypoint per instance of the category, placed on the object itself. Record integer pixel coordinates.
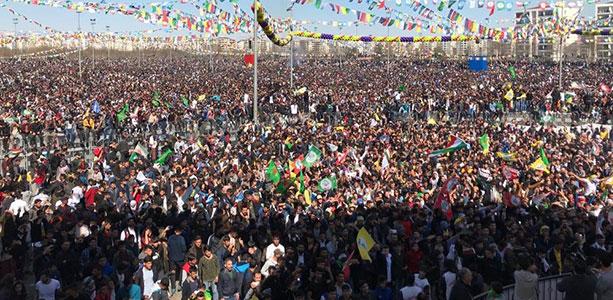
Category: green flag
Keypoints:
(318, 4)
(285, 185)
(185, 101)
(155, 101)
(544, 157)
(302, 187)
(139, 150)
(402, 88)
(272, 173)
(123, 113)
(327, 184)
(512, 72)
(164, 157)
(312, 157)
(441, 5)
(484, 141)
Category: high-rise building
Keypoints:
(604, 44)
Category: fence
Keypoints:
(546, 289)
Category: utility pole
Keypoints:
(15, 22)
(255, 62)
(108, 46)
(93, 22)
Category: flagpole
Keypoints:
(255, 63)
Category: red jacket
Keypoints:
(90, 194)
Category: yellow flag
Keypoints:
(539, 165)
(365, 243)
(431, 121)
(307, 196)
(509, 95)
(201, 97)
(604, 134)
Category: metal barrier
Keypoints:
(546, 289)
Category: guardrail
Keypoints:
(546, 289)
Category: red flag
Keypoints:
(382, 4)
(98, 152)
(442, 200)
(511, 200)
(249, 59)
(510, 173)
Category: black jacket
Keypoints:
(229, 283)
(581, 287)
(460, 291)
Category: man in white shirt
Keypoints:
(276, 245)
(18, 207)
(47, 288)
(272, 262)
(410, 291)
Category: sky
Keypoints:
(64, 20)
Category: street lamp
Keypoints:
(93, 22)
(15, 22)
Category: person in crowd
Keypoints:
(47, 288)
(461, 288)
(526, 280)
(209, 269)
(139, 172)
(580, 285)
(229, 282)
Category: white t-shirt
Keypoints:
(449, 282)
(270, 250)
(422, 283)
(148, 284)
(47, 291)
(410, 292)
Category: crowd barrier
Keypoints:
(546, 290)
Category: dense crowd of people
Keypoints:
(151, 181)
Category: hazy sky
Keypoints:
(65, 20)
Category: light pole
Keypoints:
(291, 50)
(108, 46)
(15, 22)
(80, 42)
(93, 22)
(255, 62)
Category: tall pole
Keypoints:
(561, 54)
(80, 42)
(15, 21)
(93, 22)
(389, 45)
(210, 53)
(108, 47)
(255, 63)
(291, 51)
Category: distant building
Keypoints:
(604, 44)
(539, 46)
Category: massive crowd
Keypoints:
(142, 181)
